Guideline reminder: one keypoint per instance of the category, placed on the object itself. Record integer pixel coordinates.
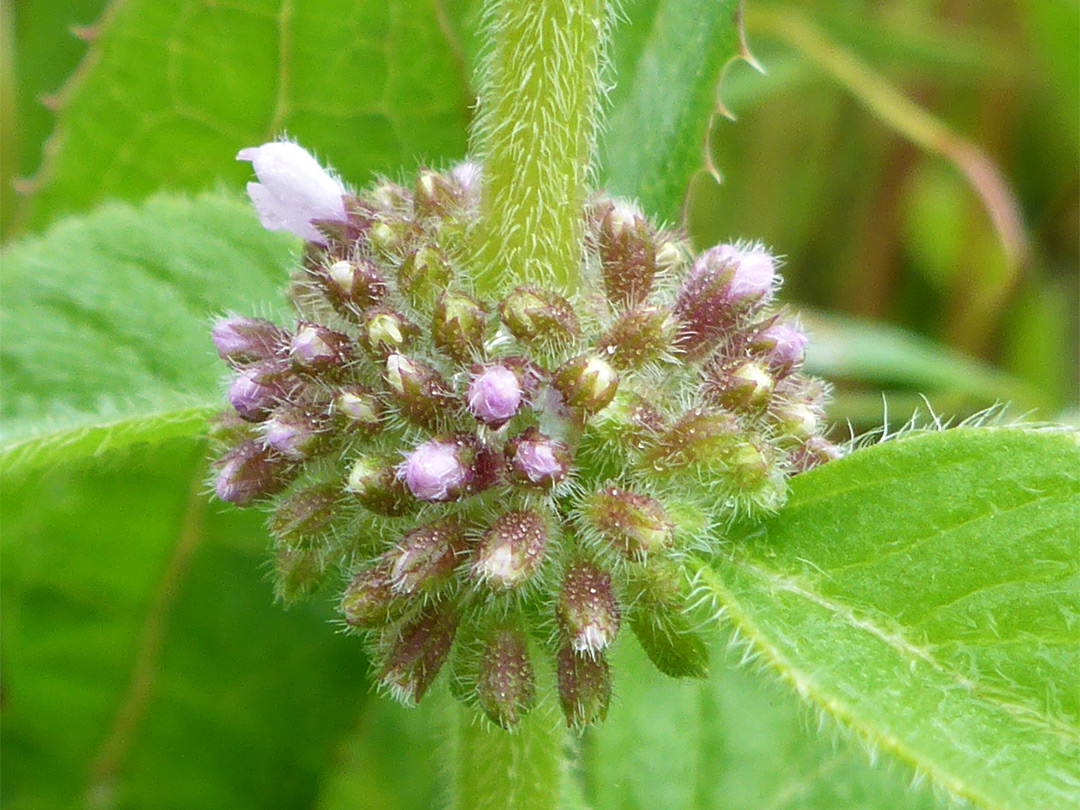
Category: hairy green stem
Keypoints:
(499, 770)
(536, 131)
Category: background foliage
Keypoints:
(144, 663)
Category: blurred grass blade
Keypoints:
(923, 593)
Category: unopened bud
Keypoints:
(390, 197)
(392, 237)
(369, 598)
(584, 686)
(638, 337)
(352, 286)
(812, 453)
(247, 340)
(384, 331)
(250, 471)
(374, 481)
(467, 176)
(494, 395)
(698, 437)
(782, 346)
(670, 255)
(587, 382)
(295, 433)
(440, 469)
(424, 275)
(258, 388)
(506, 684)
(512, 549)
(434, 195)
(587, 610)
(356, 407)
(316, 349)
(297, 572)
(627, 255)
(426, 557)
(304, 513)
(533, 314)
(419, 390)
(536, 460)
(634, 524)
(745, 387)
(457, 326)
(658, 595)
(229, 428)
(417, 651)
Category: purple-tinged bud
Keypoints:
(587, 610)
(533, 314)
(467, 176)
(536, 460)
(229, 428)
(247, 340)
(434, 195)
(506, 684)
(815, 451)
(384, 331)
(457, 326)
(297, 572)
(584, 686)
(293, 189)
(374, 481)
(638, 337)
(341, 236)
(250, 471)
(356, 407)
(746, 387)
(316, 349)
(627, 254)
(587, 382)
(494, 395)
(304, 513)
(421, 393)
(698, 437)
(369, 599)
(425, 558)
(257, 389)
(439, 469)
(424, 275)
(417, 651)
(512, 549)
(754, 278)
(351, 286)
(782, 346)
(635, 524)
(295, 433)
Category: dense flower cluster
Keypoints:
(505, 482)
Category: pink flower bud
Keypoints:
(315, 349)
(294, 433)
(782, 345)
(257, 389)
(247, 340)
(436, 470)
(754, 277)
(293, 190)
(535, 460)
(467, 176)
(249, 471)
(494, 395)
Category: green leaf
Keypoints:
(733, 742)
(107, 319)
(923, 593)
(145, 663)
(668, 65)
(170, 92)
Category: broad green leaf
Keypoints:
(145, 663)
(668, 65)
(106, 321)
(733, 742)
(924, 594)
(170, 91)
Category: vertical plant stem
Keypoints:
(500, 770)
(536, 133)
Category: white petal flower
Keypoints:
(293, 189)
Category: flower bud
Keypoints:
(250, 471)
(417, 651)
(745, 387)
(247, 340)
(293, 190)
(351, 286)
(814, 451)
(467, 177)
(536, 460)
(638, 337)
(494, 395)
(587, 610)
(257, 389)
(316, 349)
(512, 549)
(627, 255)
(424, 275)
(392, 238)
(419, 390)
(426, 557)
(533, 314)
(304, 513)
(384, 331)
(634, 524)
(587, 382)
(295, 433)
(297, 572)
(457, 326)
(670, 254)
(369, 598)
(434, 195)
(356, 407)
(389, 197)
(439, 469)
(698, 437)
(374, 481)
(584, 686)
(657, 618)
(228, 428)
(782, 346)
(505, 684)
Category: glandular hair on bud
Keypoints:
(745, 387)
(640, 336)
(316, 349)
(587, 382)
(240, 341)
(587, 610)
(512, 549)
(417, 650)
(634, 524)
(457, 325)
(351, 285)
(295, 433)
(424, 275)
(505, 683)
(535, 315)
(536, 460)
(426, 557)
(369, 598)
(627, 254)
(297, 572)
(421, 393)
(250, 471)
(356, 407)
(305, 513)
(374, 480)
(384, 331)
(698, 437)
(584, 683)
